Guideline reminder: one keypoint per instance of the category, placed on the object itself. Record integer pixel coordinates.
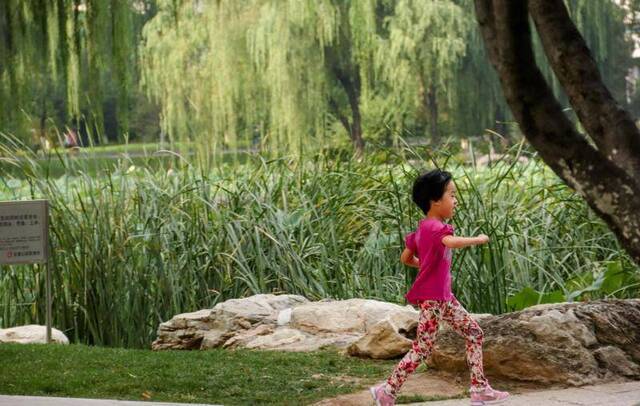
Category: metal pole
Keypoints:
(48, 303)
(48, 288)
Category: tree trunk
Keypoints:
(605, 177)
(502, 129)
(354, 128)
(429, 107)
(352, 89)
(347, 74)
(432, 107)
(607, 123)
(42, 131)
(356, 133)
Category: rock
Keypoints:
(343, 316)
(567, 343)
(286, 322)
(383, 341)
(213, 327)
(393, 336)
(616, 360)
(563, 343)
(289, 339)
(31, 334)
(284, 317)
(248, 335)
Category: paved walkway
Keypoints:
(611, 394)
(42, 401)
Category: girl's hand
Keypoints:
(482, 239)
(415, 262)
(409, 259)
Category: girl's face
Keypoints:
(447, 204)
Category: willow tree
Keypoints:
(27, 62)
(477, 105)
(195, 62)
(322, 51)
(61, 58)
(232, 71)
(426, 41)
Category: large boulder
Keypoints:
(211, 328)
(390, 337)
(568, 343)
(285, 322)
(346, 316)
(31, 334)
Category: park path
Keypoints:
(611, 394)
(50, 401)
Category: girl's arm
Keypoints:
(461, 242)
(409, 259)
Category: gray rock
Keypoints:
(286, 322)
(211, 328)
(567, 343)
(31, 334)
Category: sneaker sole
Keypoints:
(488, 402)
(372, 390)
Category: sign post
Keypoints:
(24, 239)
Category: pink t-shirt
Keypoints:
(434, 279)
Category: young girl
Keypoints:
(429, 248)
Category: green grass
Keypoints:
(238, 377)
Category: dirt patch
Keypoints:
(428, 385)
(342, 379)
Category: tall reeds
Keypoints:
(133, 246)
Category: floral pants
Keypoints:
(431, 313)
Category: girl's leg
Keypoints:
(464, 325)
(430, 314)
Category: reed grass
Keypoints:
(134, 245)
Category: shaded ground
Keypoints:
(431, 385)
(610, 394)
(420, 386)
(426, 385)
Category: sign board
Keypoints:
(24, 237)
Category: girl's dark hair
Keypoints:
(429, 186)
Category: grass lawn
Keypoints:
(213, 376)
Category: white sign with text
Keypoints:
(24, 232)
